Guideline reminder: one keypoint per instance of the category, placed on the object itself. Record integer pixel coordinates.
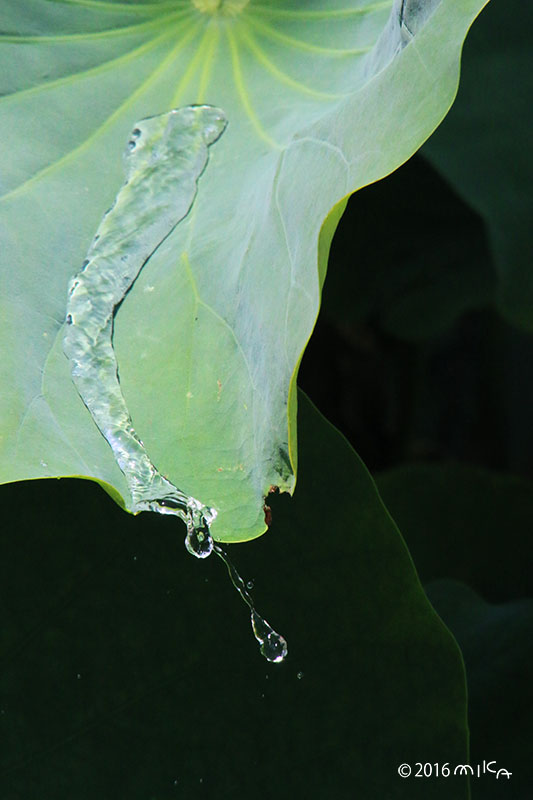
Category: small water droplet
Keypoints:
(69, 319)
(250, 585)
(175, 782)
(85, 262)
(136, 132)
(78, 676)
(135, 558)
(299, 675)
(43, 463)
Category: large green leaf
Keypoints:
(454, 517)
(497, 644)
(468, 530)
(322, 98)
(129, 669)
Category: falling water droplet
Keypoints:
(299, 675)
(200, 544)
(272, 645)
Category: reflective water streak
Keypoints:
(164, 159)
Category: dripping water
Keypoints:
(199, 543)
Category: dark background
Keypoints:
(129, 669)
(425, 363)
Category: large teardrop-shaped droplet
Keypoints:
(273, 645)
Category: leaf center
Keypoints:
(227, 7)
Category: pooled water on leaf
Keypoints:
(162, 171)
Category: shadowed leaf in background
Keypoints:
(128, 668)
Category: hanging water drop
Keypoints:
(199, 541)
